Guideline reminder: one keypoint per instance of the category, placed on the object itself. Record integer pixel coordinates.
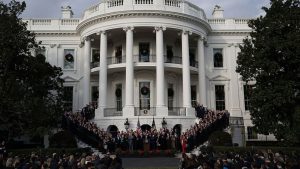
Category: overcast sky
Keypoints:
(232, 8)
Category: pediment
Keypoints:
(69, 78)
(220, 78)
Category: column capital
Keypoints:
(127, 28)
(102, 32)
(186, 32)
(86, 38)
(202, 38)
(158, 28)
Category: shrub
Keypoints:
(220, 138)
(63, 139)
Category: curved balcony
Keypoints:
(144, 59)
(177, 6)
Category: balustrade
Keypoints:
(114, 3)
(151, 111)
(112, 112)
(143, 1)
(116, 60)
(175, 3)
(177, 111)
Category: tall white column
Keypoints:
(102, 103)
(235, 108)
(186, 76)
(201, 72)
(86, 71)
(161, 108)
(128, 110)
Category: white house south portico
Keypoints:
(148, 59)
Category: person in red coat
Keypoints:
(183, 143)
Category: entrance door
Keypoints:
(146, 127)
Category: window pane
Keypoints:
(68, 98)
(247, 92)
(119, 97)
(252, 134)
(69, 59)
(145, 95)
(220, 97)
(218, 57)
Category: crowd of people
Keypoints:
(62, 161)
(148, 140)
(247, 160)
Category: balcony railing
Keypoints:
(194, 63)
(95, 64)
(112, 112)
(173, 59)
(144, 58)
(177, 111)
(151, 111)
(116, 60)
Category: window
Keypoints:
(193, 61)
(95, 95)
(247, 93)
(69, 58)
(118, 54)
(218, 57)
(194, 95)
(144, 49)
(252, 134)
(220, 97)
(68, 98)
(145, 95)
(170, 97)
(95, 57)
(119, 97)
(170, 54)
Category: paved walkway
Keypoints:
(155, 162)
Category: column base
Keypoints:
(128, 111)
(99, 113)
(190, 111)
(161, 111)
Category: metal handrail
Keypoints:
(141, 58)
(173, 59)
(116, 60)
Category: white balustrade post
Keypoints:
(161, 109)
(87, 71)
(102, 103)
(186, 76)
(128, 110)
(201, 72)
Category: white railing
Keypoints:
(216, 21)
(143, 1)
(93, 9)
(175, 3)
(114, 3)
(241, 21)
(41, 22)
(69, 21)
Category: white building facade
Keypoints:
(149, 59)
